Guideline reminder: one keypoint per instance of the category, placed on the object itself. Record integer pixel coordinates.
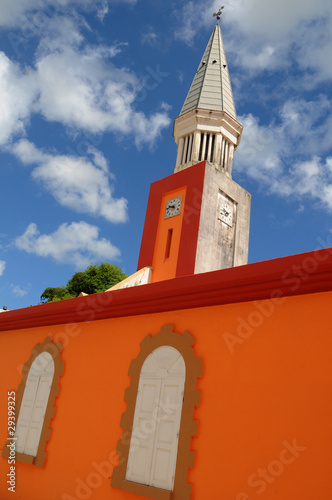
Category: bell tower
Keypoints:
(207, 128)
(198, 218)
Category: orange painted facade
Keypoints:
(165, 258)
(180, 261)
(264, 417)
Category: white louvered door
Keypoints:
(154, 442)
(34, 403)
(38, 414)
(141, 445)
(167, 434)
(22, 426)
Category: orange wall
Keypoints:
(165, 268)
(259, 396)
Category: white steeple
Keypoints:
(204, 216)
(211, 88)
(207, 128)
(207, 132)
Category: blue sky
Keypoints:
(89, 91)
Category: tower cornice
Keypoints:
(203, 134)
(207, 120)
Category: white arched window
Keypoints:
(157, 418)
(158, 423)
(34, 403)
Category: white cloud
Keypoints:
(18, 291)
(77, 243)
(59, 33)
(2, 267)
(149, 37)
(16, 13)
(276, 19)
(27, 152)
(190, 25)
(18, 91)
(300, 128)
(76, 85)
(78, 183)
(290, 156)
(309, 178)
(268, 35)
(13, 13)
(79, 90)
(103, 10)
(259, 152)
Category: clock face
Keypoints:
(173, 207)
(226, 214)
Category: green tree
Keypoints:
(93, 280)
(54, 294)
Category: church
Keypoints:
(201, 376)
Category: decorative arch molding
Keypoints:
(54, 350)
(188, 427)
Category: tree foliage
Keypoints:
(93, 280)
(53, 294)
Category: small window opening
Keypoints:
(191, 149)
(201, 148)
(168, 244)
(187, 151)
(207, 147)
(212, 149)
